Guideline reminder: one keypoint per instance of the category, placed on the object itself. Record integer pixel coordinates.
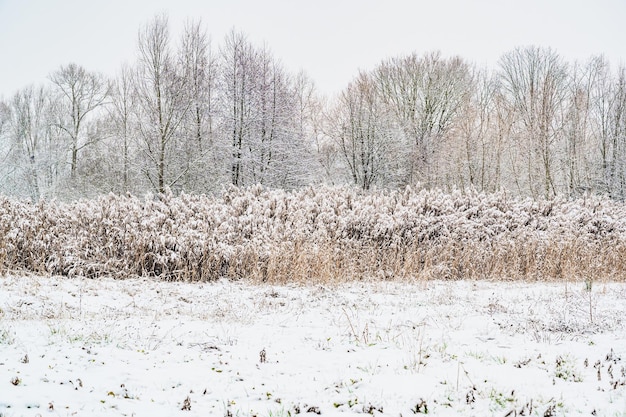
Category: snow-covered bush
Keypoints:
(320, 234)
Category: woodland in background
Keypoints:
(190, 116)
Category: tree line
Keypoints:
(192, 117)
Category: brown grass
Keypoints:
(317, 235)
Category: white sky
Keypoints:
(330, 39)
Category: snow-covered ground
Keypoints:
(79, 347)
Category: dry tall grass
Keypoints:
(317, 235)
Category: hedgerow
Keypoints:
(317, 234)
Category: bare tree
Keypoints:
(310, 120)
(6, 145)
(236, 54)
(616, 137)
(35, 155)
(188, 118)
(602, 105)
(534, 80)
(619, 128)
(359, 127)
(236, 77)
(608, 126)
(5, 115)
(267, 84)
(479, 148)
(82, 92)
(580, 148)
(307, 128)
(276, 139)
(425, 94)
(162, 100)
(199, 66)
(122, 113)
(259, 110)
(506, 174)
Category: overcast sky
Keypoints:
(330, 39)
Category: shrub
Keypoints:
(316, 234)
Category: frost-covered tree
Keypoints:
(163, 103)
(608, 106)
(309, 130)
(476, 144)
(361, 130)
(281, 153)
(199, 67)
(36, 161)
(81, 93)
(193, 118)
(5, 116)
(269, 105)
(122, 120)
(260, 120)
(237, 58)
(5, 141)
(618, 120)
(580, 154)
(534, 83)
(426, 94)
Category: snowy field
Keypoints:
(79, 347)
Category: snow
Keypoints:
(452, 348)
